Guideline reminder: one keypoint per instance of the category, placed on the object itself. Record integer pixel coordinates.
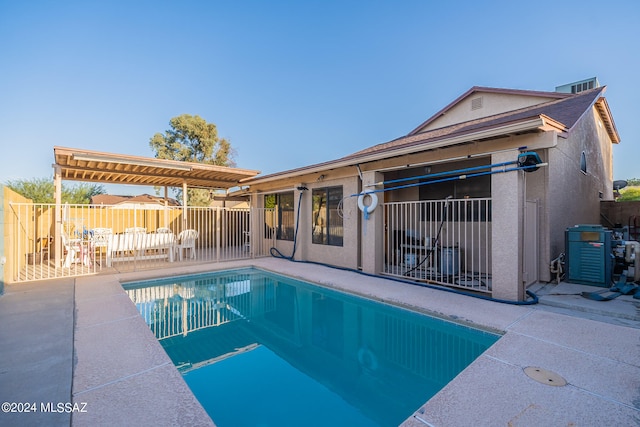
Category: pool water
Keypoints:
(261, 349)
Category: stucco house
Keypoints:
(454, 204)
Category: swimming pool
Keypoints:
(257, 348)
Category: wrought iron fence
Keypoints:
(442, 241)
(86, 239)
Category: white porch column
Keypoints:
(184, 206)
(304, 227)
(372, 235)
(507, 193)
(57, 238)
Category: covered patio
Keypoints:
(59, 240)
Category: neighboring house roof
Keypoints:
(561, 113)
(109, 199)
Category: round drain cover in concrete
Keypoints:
(545, 377)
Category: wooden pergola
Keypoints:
(76, 164)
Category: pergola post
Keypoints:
(165, 222)
(184, 205)
(57, 188)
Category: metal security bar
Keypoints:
(441, 241)
(88, 239)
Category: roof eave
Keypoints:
(534, 123)
(603, 109)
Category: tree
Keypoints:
(192, 139)
(629, 194)
(81, 193)
(42, 190)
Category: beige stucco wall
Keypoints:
(574, 197)
(492, 103)
(343, 256)
(347, 254)
(508, 198)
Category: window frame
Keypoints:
(325, 234)
(283, 230)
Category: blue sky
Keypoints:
(290, 83)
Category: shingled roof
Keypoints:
(565, 112)
(561, 113)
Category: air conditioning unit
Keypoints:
(580, 86)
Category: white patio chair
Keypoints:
(100, 239)
(139, 230)
(161, 230)
(72, 246)
(187, 241)
(247, 240)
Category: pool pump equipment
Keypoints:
(596, 255)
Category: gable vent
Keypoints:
(476, 103)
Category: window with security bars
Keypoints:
(327, 224)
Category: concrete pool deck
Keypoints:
(81, 341)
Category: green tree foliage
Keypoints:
(42, 190)
(81, 193)
(192, 139)
(629, 194)
(633, 182)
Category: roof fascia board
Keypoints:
(605, 115)
(603, 108)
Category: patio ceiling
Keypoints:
(107, 168)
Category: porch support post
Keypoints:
(372, 237)
(304, 227)
(57, 220)
(184, 205)
(165, 222)
(507, 193)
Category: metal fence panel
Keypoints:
(88, 239)
(441, 241)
